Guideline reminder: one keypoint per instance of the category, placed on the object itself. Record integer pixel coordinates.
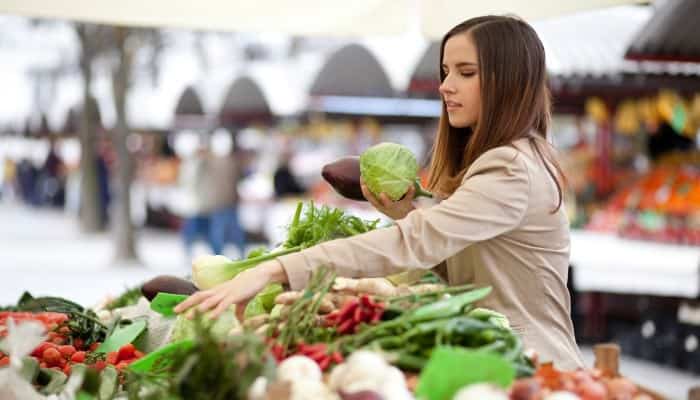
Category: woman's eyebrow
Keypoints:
(462, 64)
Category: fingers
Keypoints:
(411, 193)
(386, 201)
(211, 302)
(223, 305)
(370, 196)
(193, 300)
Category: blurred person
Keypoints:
(285, 183)
(222, 184)
(9, 178)
(193, 183)
(27, 175)
(51, 180)
(502, 222)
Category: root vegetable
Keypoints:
(288, 298)
(256, 322)
(262, 329)
(373, 286)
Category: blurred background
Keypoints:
(132, 141)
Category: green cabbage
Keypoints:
(390, 168)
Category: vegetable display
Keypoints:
(337, 339)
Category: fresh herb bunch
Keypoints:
(83, 323)
(130, 297)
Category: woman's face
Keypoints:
(460, 89)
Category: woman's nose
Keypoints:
(446, 87)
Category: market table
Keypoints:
(607, 263)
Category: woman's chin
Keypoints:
(458, 123)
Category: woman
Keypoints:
(501, 223)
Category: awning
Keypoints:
(670, 35)
(303, 17)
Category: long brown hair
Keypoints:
(515, 102)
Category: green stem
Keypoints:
(420, 191)
(251, 262)
(416, 297)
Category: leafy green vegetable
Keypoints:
(451, 369)
(128, 298)
(164, 303)
(121, 336)
(161, 357)
(390, 168)
(263, 302)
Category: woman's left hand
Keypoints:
(238, 290)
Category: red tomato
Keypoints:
(4, 361)
(52, 357)
(99, 365)
(78, 357)
(112, 357)
(66, 351)
(126, 352)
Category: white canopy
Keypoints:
(304, 17)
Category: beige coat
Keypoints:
(496, 230)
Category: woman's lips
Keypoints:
(450, 105)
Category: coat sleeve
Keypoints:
(491, 200)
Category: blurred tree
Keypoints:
(128, 44)
(93, 41)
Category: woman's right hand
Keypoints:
(393, 209)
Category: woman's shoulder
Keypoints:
(508, 157)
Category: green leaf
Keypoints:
(264, 301)
(160, 356)
(164, 303)
(122, 336)
(450, 369)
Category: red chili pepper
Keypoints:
(312, 348)
(357, 316)
(347, 309)
(318, 356)
(366, 301)
(337, 357)
(346, 327)
(325, 363)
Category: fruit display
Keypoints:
(663, 206)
